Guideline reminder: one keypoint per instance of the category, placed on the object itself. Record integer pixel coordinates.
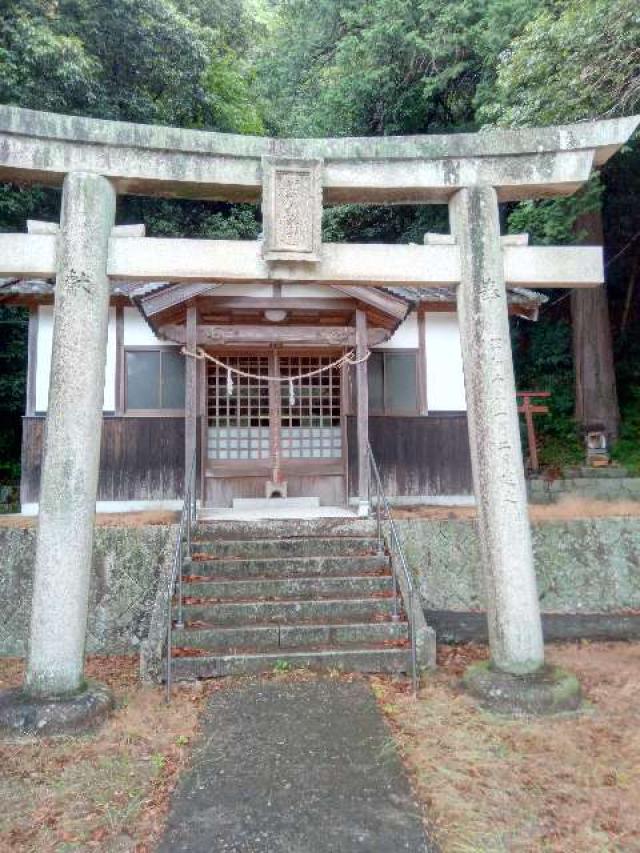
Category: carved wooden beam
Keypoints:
(269, 303)
(155, 303)
(339, 336)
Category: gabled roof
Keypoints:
(45, 287)
(161, 294)
(524, 301)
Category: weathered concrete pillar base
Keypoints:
(550, 690)
(23, 714)
(515, 630)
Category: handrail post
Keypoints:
(189, 530)
(395, 616)
(187, 518)
(414, 651)
(169, 626)
(379, 518)
(395, 550)
(194, 508)
(179, 622)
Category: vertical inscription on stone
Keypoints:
(293, 223)
(292, 209)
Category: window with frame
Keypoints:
(393, 382)
(155, 380)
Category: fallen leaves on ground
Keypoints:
(568, 784)
(107, 791)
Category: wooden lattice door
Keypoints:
(310, 418)
(238, 411)
(259, 431)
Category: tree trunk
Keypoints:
(595, 379)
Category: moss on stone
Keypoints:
(549, 690)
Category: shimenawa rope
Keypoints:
(201, 355)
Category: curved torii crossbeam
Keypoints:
(165, 161)
(472, 173)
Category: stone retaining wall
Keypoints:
(588, 579)
(585, 568)
(128, 565)
(606, 485)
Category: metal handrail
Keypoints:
(187, 518)
(382, 506)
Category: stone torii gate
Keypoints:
(95, 160)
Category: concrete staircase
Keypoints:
(265, 595)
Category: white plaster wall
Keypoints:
(109, 403)
(445, 379)
(137, 332)
(259, 290)
(43, 360)
(405, 336)
(312, 291)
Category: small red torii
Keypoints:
(529, 409)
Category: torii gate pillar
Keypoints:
(515, 630)
(72, 446)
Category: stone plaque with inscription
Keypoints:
(291, 209)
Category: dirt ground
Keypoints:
(488, 784)
(106, 791)
(108, 519)
(562, 511)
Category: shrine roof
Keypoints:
(528, 299)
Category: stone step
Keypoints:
(359, 586)
(278, 503)
(291, 637)
(365, 659)
(288, 612)
(284, 527)
(289, 566)
(316, 546)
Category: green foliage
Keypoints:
(574, 60)
(157, 61)
(181, 218)
(383, 66)
(361, 223)
(13, 367)
(554, 222)
(543, 362)
(627, 449)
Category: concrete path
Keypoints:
(295, 768)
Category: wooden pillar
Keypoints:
(362, 388)
(422, 363)
(191, 393)
(203, 403)
(595, 378)
(275, 412)
(120, 363)
(32, 361)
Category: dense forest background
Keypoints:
(369, 67)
